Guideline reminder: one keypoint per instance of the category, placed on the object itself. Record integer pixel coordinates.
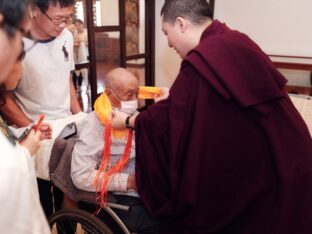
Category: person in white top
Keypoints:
(21, 212)
(46, 86)
(80, 53)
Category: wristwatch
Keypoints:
(127, 122)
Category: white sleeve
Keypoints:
(118, 182)
(71, 50)
(86, 156)
(21, 211)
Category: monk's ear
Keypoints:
(182, 23)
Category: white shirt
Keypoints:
(87, 156)
(21, 211)
(45, 84)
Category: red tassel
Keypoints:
(106, 163)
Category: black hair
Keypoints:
(3, 90)
(197, 11)
(13, 12)
(78, 21)
(2, 94)
(43, 5)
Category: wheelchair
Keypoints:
(75, 220)
(79, 220)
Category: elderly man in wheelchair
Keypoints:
(101, 173)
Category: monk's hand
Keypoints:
(118, 119)
(164, 93)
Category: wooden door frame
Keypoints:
(149, 54)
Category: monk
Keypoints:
(226, 152)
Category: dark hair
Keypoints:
(43, 5)
(78, 21)
(2, 94)
(197, 11)
(13, 12)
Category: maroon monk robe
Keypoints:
(227, 152)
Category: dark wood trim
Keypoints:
(91, 38)
(297, 66)
(212, 5)
(136, 65)
(123, 48)
(137, 56)
(107, 28)
(82, 65)
(293, 66)
(150, 42)
(289, 56)
(299, 89)
(148, 55)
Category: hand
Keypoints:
(118, 119)
(131, 183)
(32, 141)
(46, 131)
(163, 95)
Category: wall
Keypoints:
(167, 61)
(142, 27)
(279, 27)
(110, 17)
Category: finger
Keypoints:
(111, 115)
(37, 134)
(32, 132)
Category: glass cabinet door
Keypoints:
(121, 35)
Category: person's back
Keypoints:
(81, 53)
(227, 152)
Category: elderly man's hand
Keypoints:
(118, 119)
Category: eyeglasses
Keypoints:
(58, 21)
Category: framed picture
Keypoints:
(132, 11)
(132, 21)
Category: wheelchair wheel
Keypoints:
(68, 221)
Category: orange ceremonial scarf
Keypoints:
(102, 107)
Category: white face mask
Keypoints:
(129, 107)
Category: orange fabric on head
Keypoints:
(149, 92)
